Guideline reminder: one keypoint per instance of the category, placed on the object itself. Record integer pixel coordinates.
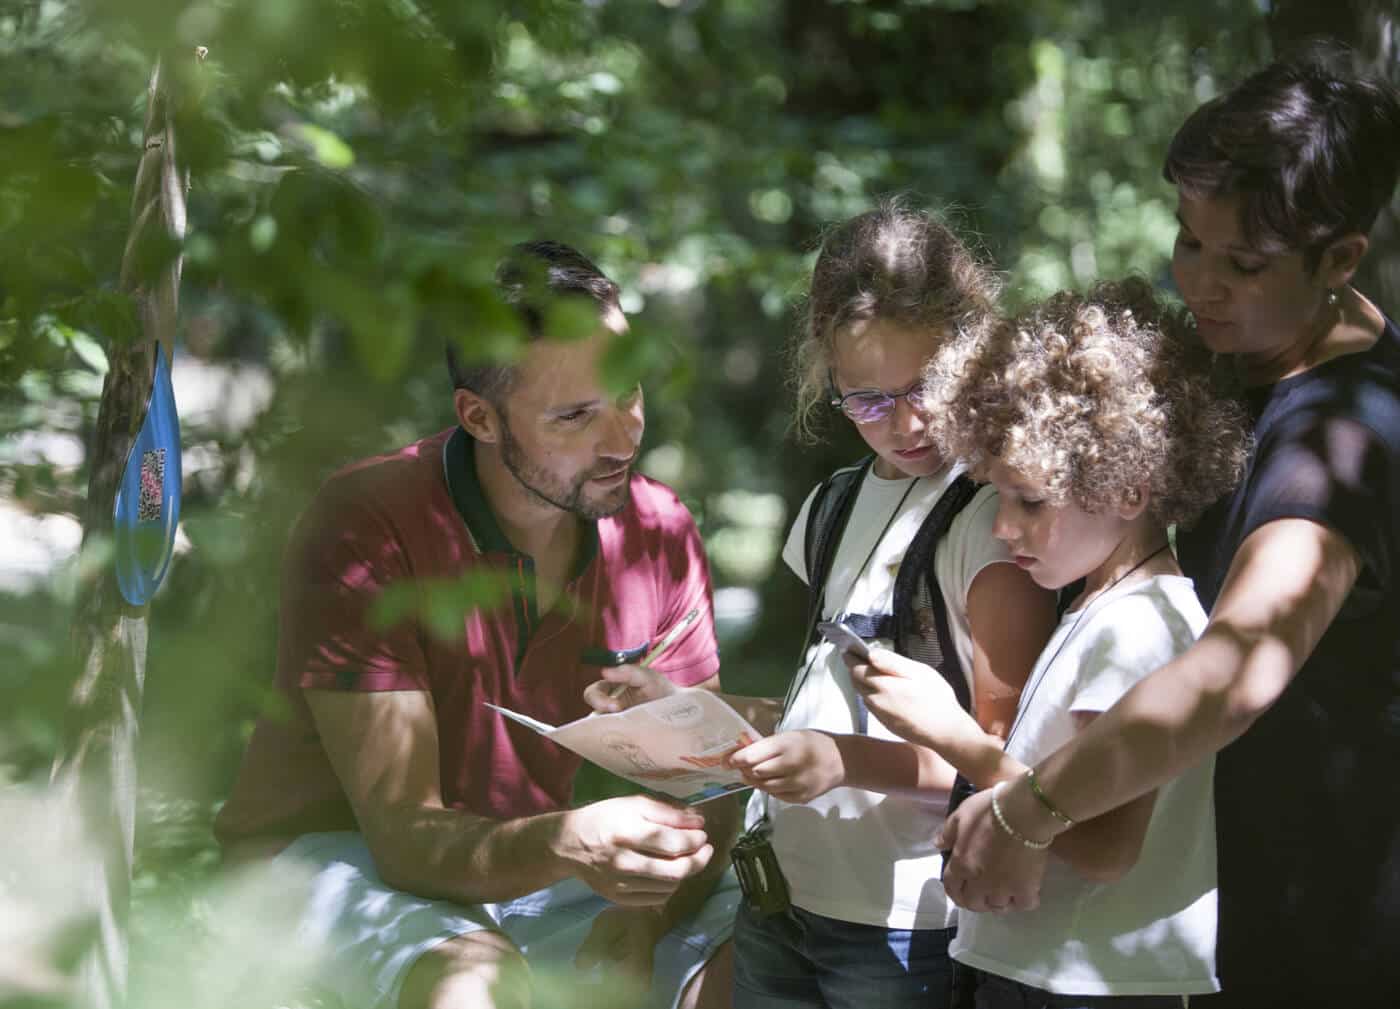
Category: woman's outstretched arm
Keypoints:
(1285, 585)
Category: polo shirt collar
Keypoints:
(459, 470)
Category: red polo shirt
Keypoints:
(386, 536)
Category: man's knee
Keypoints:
(482, 970)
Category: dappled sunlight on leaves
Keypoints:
(356, 171)
(232, 940)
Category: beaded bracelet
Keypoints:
(1001, 821)
(1050, 807)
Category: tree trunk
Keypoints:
(1372, 29)
(95, 774)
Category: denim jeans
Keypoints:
(803, 959)
(996, 992)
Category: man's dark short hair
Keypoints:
(530, 276)
(1311, 149)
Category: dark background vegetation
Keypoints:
(358, 166)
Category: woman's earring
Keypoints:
(1332, 297)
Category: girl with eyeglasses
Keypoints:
(849, 808)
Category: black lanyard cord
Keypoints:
(796, 685)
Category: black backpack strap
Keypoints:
(918, 562)
(904, 622)
(826, 521)
(869, 626)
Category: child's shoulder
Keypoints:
(1167, 595)
(1150, 620)
(970, 532)
(980, 512)
(1120, 638)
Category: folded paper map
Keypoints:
(675, 744)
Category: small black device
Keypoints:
(760, 877)
(962, 788)
(611, 657)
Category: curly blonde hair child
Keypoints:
(1093, 396)
(1100, 421)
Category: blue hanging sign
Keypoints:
(147, 509)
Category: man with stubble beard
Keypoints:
(449, 867)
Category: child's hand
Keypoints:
(792, 766)
(911, 699)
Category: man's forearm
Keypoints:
(448, 853)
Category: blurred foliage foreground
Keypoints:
(356, 168)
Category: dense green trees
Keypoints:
(355, 168)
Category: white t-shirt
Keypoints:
(851, 854)
(1153, 931)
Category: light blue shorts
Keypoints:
(371, 934)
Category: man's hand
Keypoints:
(625, 686)
(621, 945)
(987, 869)
(910, 698)
(634, 850)
(792, 766)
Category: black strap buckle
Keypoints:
(609, 657)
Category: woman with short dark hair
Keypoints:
(1296, 679)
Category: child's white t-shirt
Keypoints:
(1153, 931)
(851, 854)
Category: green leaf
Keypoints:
(633, 357)
(325, 146)
(487, 329)
(89, 351)
(441, 605)
(571, 317)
